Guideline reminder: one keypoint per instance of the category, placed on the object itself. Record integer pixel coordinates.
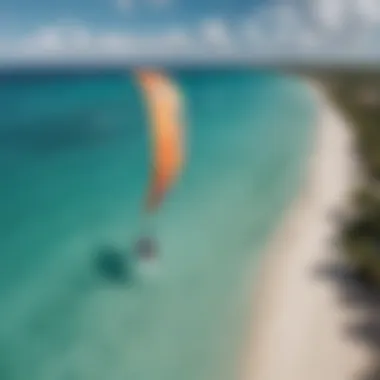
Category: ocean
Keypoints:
(74, 165)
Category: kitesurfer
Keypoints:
(146, 248)
(113, 264)
(163, 107)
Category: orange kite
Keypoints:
(163, 103)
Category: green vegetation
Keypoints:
(358, 96)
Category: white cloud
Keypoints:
(57, 42)
(285, 25)
(309, 40)
(114, 42)
(327, 26)
(278, 29)
(251, 32)
(46, 39)
(215, 32)
(367, 10)
(333, 15)
(330, 13)
(176, 38)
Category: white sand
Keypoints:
(299, 324)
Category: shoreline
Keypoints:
(298, 325)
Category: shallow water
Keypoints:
(74, 157)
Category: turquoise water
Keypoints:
(74, 163)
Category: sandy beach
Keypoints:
(298, 331)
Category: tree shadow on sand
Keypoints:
(355, 294)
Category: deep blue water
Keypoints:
(74, 161)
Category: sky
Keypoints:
(172, 30)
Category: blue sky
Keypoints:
(48, 30)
